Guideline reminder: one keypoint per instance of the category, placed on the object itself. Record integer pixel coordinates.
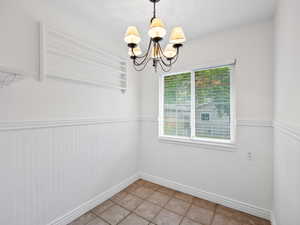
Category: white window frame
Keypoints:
(193, 140)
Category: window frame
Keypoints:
(222, 143)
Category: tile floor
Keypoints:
(146, 203)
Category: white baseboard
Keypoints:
(232, 203)
(92, 203)
(85, 207)
(273, 220)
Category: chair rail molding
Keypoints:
(292, 131)
(36, 124)
(240, 123)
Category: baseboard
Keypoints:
(232, 203)
(273, 220)
(85, 207)
(241, 206)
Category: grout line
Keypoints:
(101, 217)
(104, 211)
(124, 218)
(130, 211)
(185, 214)
(213, 217)
(146, 199)
(162, 208)
(172, 196)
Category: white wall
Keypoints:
(54, 99)
(48, 171)
(286, 114)
(228, 174)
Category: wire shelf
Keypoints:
(65, 57)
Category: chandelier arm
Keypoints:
(145, 60)
(176, 56)
(147, 53)
(136, 63)
(167, 69)
(162, 52)
(143, 67)
(165, 63)
(162, 59)
(144, 57)
(168, 63)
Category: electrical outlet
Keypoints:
(249, 155)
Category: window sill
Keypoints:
(208, 144)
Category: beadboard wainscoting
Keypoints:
(244, 183)
(273, 220)
(53, 171)
(286, 174)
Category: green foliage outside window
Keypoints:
(177, 89)
(177, 104)
(212, 96)
(213, 85)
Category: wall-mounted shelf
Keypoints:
(65, 57)
(10, 75)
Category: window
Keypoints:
(197, 105)
(205, 116)
(177, 105)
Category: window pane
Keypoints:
(177, 105)
(212, 103)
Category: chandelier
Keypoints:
(159, 57)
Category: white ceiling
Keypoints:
(197, 17)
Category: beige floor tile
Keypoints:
(251, 220)
(187, 221)
(204, 203)
(165, 217)
(220, 219)
(166, 191)
(268, 222)
(151, 185)
(134, 219)
(183, 196)
(147, 210)
(201, 211)
(140, 182)
(100, 208)
(130, 202)
(200, 215)
(114, 214)
(223, 210)
(84, 219)
(143, 192)
(97, 221)
(159, 198)
(132, 188)
(177, 206)
(119, 196)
